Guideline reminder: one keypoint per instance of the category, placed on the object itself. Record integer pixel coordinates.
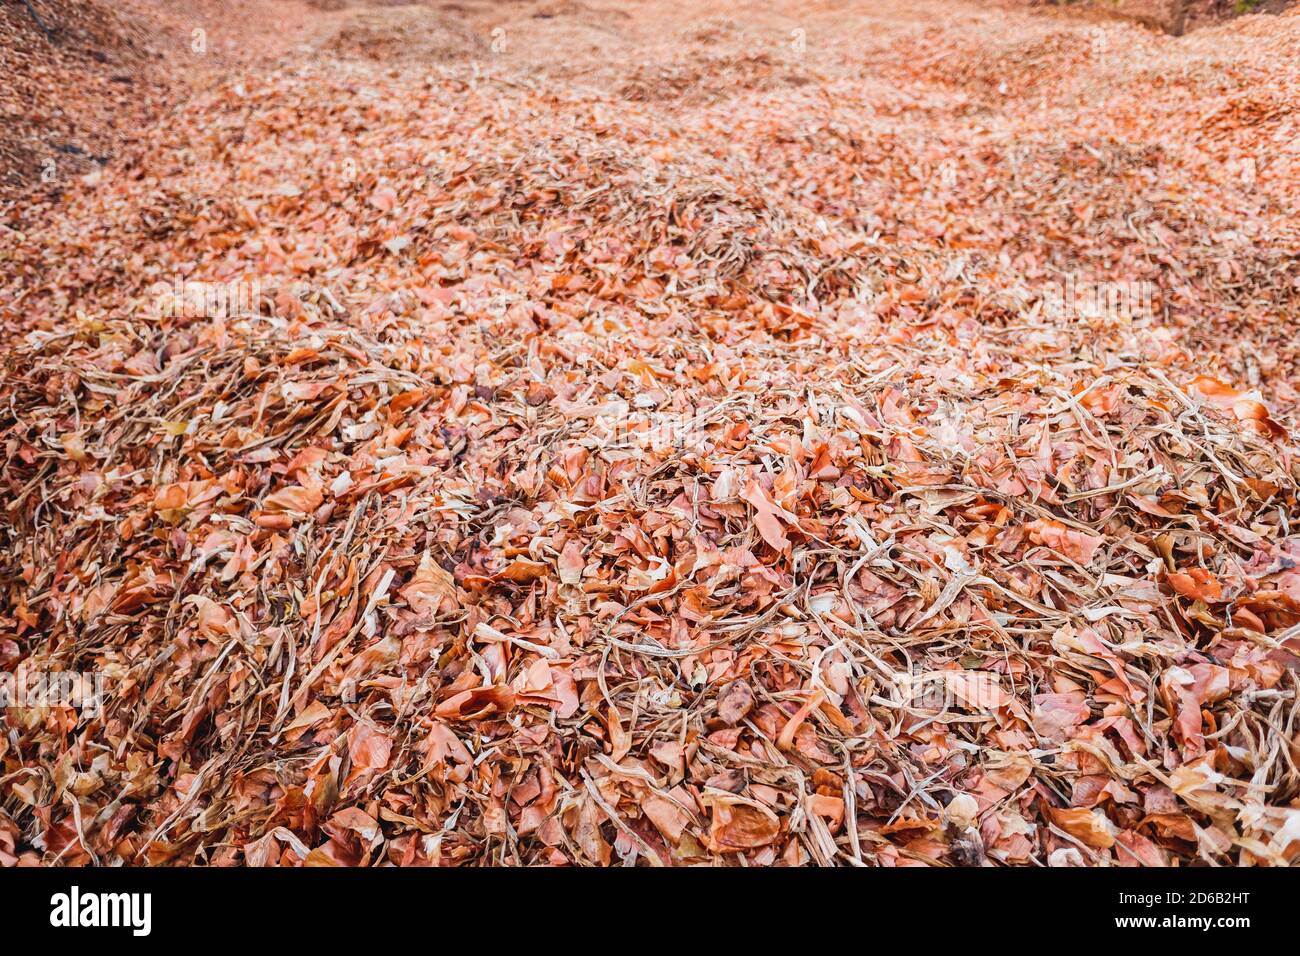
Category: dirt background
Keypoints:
(85, 82)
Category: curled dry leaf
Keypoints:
(739, 824)
(570, 563)
(431, 590)
(1076, 545)
(736, 702)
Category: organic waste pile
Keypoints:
(664, 438)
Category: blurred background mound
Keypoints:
(83, 78)
(79, 76)
(1172, 16)
(404, 32)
